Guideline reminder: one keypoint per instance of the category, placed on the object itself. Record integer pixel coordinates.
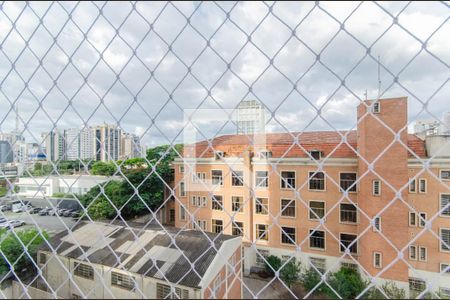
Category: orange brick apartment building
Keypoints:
(311, 194)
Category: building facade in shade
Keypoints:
(18, 144)
(250, 117)
(6, 153)
(107, 142)
(151, 269)
(54, 145)
(446, 125)
(357, 204)
(130, 146)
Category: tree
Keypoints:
(347, 283)
(310, 279)
(103, 168)
(390, 289)
(290, 272)
(272, 264)
(13, 252)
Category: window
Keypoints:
(376, 108)
(287, 180)
(164, 291)
(377, 224)
(412, 219)
(194, 201)
(217, 226)
(316, 210)
(262, 232)
(216, 176)
(422, 185)
(422, 219)
(182, 190)
(412, 252)
(219, 154)
(83, 270)
(182, 213)
(265, 154)
(445, 205)
(317, 239)
(445, 239)
(181, 169)
(198, 177)
(288, 208)
(376, 188)
(262, 179)
(203, 202)
(122, 280)
(349, 265)
(445, 174)
(288, 235)
(348, 182)
(237, 178)
(172, 215)
(422, 253)
(262, 206)
(316, 154)
(346, 240)
(42, 258)
(412, 185)
(261, 255)
(416, 284)
(317, 181)
(217, 202)
(377, 260)
(202, 224)
(445, 268)
(348, 213)
(237, 228)
(319, 263)
(236, 204)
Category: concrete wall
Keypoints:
(438, 146)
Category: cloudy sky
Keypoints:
(141, 64)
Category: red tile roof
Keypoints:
(283, 144)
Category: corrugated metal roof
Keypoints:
(119, 248)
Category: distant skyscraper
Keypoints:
(72, 137)
(131, 146)
(79, 143)
(250, 117)
(107, 142)
(54, 145)
(6, 153)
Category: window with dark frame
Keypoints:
(217, 226)
(262, 232)
(288, 235)
(287, 180)
(317, 181)
(347, 239)
(83, 270)
(216, 177)
(317, 210)
(217, 202)
(261, 179)
(288, 208)
(348, 182)
(262, 206)
(122, 280)
(236, 203)
(317, 239)
(237, 228)
(445, 205)
(237, 178)
(348, 213)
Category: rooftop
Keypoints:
(283, 144)
(138, 247)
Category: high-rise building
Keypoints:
(79, 143)
(54, 145)
(250, 117)
(130, 146)
(6, 153)
(107, 142)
